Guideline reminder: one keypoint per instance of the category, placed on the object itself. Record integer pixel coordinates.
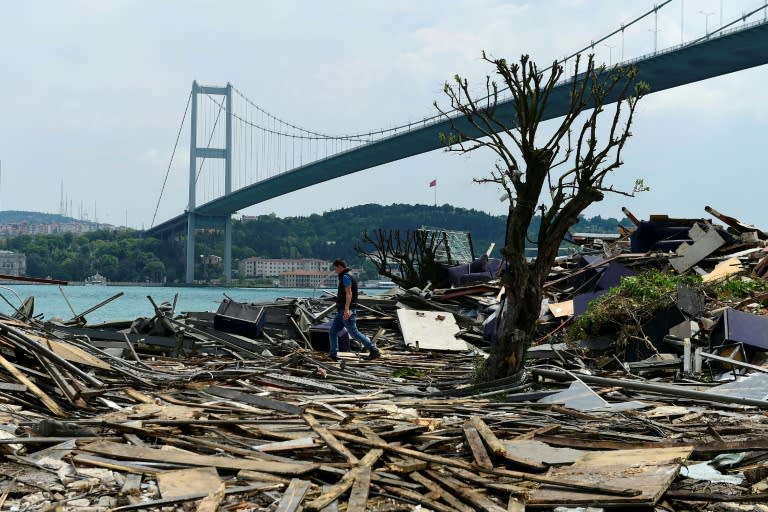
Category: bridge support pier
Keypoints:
(207, 152)
(190, 260)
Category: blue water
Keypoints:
(133, 304)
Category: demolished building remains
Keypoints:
(655, 405)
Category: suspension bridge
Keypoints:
(276, 157)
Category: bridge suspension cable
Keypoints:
(265, 145)
(173, 153)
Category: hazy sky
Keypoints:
(92, 94)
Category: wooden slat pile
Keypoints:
(88, 430)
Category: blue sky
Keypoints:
(93, 94)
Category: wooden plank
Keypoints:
(476, 445)
(609, 489)
(478, 500)
(211, 502)
(12, 387)
(260, 476)
(139, 396)
(181, 482)
(420, 498)
(289, 445)
(66, 385)
(430, 330)
(293, 495)
(498, 448)
(334, 505)
(520, 488)
(252, 399)
(439, 493)
(125, 467)
(39, 393)
(406, 466)
(358, 496)
(333, 443)
(604, 444)
(153, 454)
(651, 470)
(515, 505)
(336, 490)
(378, 478)
(196, 496)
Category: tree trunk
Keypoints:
(515, 329)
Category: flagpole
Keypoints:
(435, 195)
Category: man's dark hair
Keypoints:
(339, 263)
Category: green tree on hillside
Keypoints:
(121, 255)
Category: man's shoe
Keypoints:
(333, 357)
(374, 354)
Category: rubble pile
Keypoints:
(646, 389)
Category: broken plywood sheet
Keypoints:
(181, 482)
(70, 352)
(550, 455)
(561, 309)
(430, 330)
(706, 240)
(651, 470)
(723, 269)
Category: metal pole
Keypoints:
(682, 21)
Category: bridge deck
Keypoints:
(720, 55)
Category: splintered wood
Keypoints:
(268, 424)
(294, 433)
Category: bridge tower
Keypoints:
(206, 152)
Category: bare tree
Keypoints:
(526, 169)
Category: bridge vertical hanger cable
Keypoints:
(250, 132)
(173, 153)
(284, 144)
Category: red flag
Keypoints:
(433, 183)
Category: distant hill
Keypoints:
(127, 256)
(15, 217)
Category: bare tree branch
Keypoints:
(524, 169)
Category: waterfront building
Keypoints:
(270, 267)
(13, 263)
(308, 279)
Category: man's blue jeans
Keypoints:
(351, 325)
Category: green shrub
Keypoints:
(739, 288)
(630, 304)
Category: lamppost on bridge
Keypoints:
(706, 14)
(610, 53)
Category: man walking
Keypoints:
(346, 313)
